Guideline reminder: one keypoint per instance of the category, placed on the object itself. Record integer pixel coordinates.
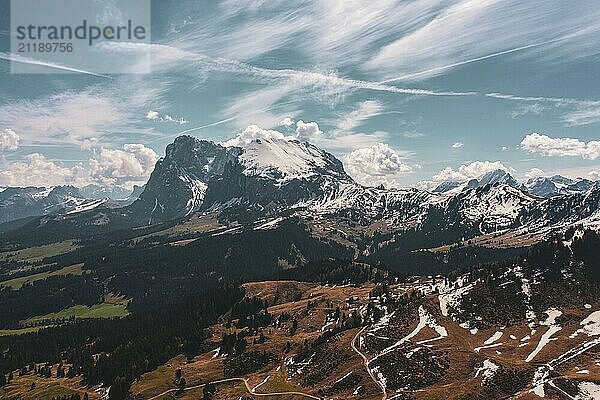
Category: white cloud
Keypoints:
(457, 145)
(535, 173)
(155, 116)
(177, 120)
(505, 148)
(123, 167)
(307, 131)
(364, 111)
(469, 171)
(251, 133)
(287, 122)
(375, 165)
(594, 175)
(427, 185)
(560, 147)
(36, 170)
(152, 115)
(310, 131)
(9, 140)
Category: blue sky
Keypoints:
(404, 92)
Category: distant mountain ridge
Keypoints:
(540, 186)
(23, 202)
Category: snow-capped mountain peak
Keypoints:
(285, 159)
(497, 176)
(199, 174)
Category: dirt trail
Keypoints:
(245, 381)
(366, 363)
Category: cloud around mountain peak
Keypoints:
(468, 171)
(304, 132)
(370, 166)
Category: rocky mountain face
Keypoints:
(198, 175)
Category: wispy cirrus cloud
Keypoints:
(273, 94)
(166, 57)
(452, 37)
(574, 112)
(393, 38)
(364, 111)
(17, 58)
(440, 69)
(320, 33)
(84, 118)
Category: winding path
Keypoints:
(245, 381)
(366, 363)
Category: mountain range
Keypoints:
(271, 178)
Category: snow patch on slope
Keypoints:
(553, 327)
(450, 299)
(487, 371)
(590, 325)
(425, 320)
(494, 338)
(198, 190)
